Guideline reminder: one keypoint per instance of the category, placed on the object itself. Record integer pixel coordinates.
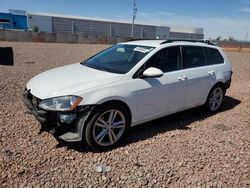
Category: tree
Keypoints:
(35, 29)
(231, 39)
(218, 38)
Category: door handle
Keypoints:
(211, 73)
(182, 78)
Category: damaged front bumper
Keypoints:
(64, 126)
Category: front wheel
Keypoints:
(107, 127)
(215, 99)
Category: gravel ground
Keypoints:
(188, 149)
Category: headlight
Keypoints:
(64, 103)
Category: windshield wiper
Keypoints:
(101, 68)
(95, 67)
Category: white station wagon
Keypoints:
(130, 83)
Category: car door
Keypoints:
(198, 75)
(164, 95)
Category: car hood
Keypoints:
(69, 80)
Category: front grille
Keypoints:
(34, 100)
(29, 95)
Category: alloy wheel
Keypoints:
(109, 127)
(215, 99)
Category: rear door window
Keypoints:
(193, 56)
(214, 56)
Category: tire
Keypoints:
(215, 99)
(101, 133)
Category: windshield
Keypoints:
(119, 58)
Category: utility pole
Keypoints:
(246, 36)
(133, 20)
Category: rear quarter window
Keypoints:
(214, 56)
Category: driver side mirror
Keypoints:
(152, 72)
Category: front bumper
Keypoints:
(63, 125)
(40, 115)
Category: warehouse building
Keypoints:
(13, 20)
(94, 26)
(98, 27)
(178, 32)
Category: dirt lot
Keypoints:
(188, 149)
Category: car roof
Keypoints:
(158, 43)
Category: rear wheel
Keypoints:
(215, 99)
(107, 127)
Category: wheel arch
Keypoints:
(82, 126)
(219, 83)
(115, 101)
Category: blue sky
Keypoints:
(217, 17)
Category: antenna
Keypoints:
(134, 16)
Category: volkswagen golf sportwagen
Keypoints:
(130, 83)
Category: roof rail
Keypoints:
(187, 40)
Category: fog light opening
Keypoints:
(67, 118)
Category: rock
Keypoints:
(123, 177)
(69, 158)
(140, 174)
(169, 181)
(8, 153)
(126, 152)
(102, 168)
(37, 142)
(180, 164)
(221, 127)
(22, 185)
(246, 182)
(143, 182)
(188, 181)
(104, 178)
(20, 171)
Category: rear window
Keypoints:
(193, 56)
(214, 56)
